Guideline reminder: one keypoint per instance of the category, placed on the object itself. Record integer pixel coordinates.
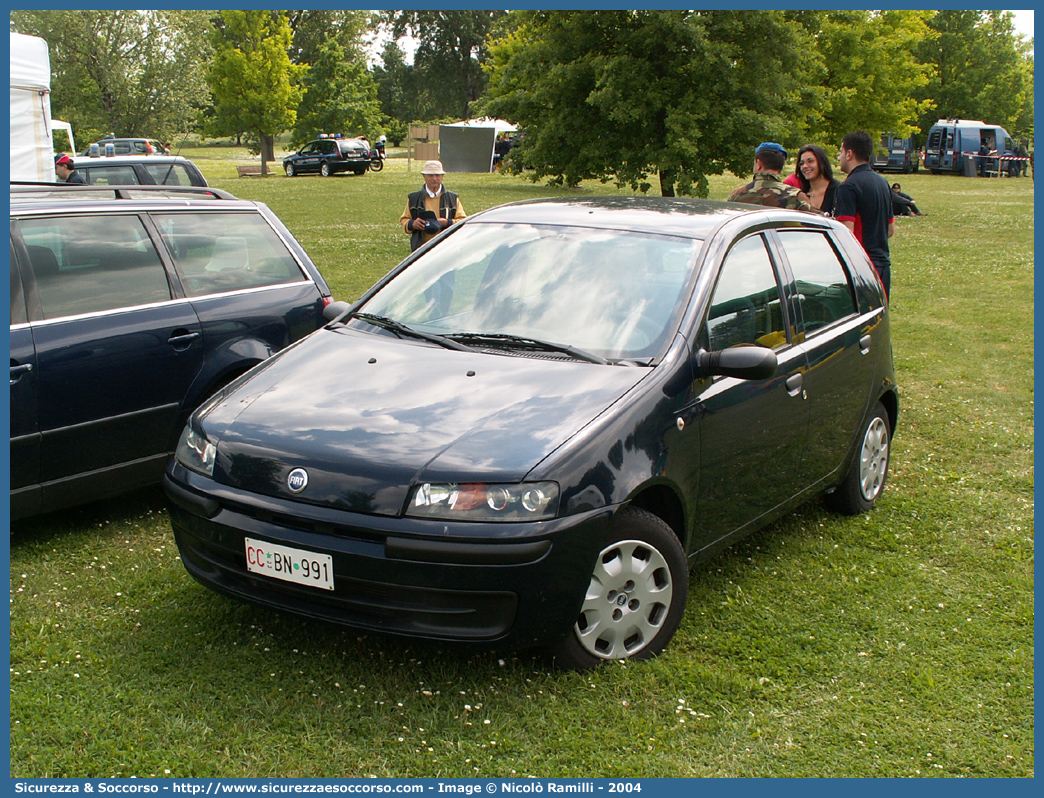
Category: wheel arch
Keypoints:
(664, 502)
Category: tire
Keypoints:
(376, 165)
(865, 481)
(359, 171)
(289, 169)
(324, 170)
(636, 595)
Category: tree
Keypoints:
(313, 29)
(132, 73)
(620, 95)
(396, 87)
(256, 88)
(447, 65)
(340, 96)
(869, 75)
(982, 69)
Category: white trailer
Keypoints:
(32, 152)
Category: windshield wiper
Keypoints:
(528, 343)
(402, 330)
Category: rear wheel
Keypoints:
(376, 165)
(324, 170)
(289, 169)
(866, 476)
(635, 598)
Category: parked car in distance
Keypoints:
(529, 431)
(128, 170)
(327, 156)
(129, 146)
(129, 307)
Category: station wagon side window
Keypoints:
(747, 306)
(218, 252)
(18, 315)
(824, 290)
(86, 264)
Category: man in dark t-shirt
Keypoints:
(864, 203)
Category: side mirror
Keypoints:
(335, 309)
(741, 362)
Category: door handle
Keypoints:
(182, 339)
(18, 371)
(864, 344)
(794, 382)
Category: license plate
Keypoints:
(291, 565)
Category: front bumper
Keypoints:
(513, 585)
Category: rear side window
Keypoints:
(18, 315)
(168, 174)
(823, 286)
(112, 176)
(218, 252)
(85, 264)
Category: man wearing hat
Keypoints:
(431, 209)
(66, 171)
(767, 187)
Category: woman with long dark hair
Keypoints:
(817, 178)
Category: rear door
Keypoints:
(115, 353)
(25, 434)
(840, 342)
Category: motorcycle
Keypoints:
(376, 163)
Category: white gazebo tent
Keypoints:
(32, 153)
(467, 146)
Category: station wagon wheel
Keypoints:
(636, 595)
(289, 170)
(324, 170)
(866, 477)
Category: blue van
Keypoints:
(969, 147)
(896, 154)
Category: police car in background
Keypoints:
(328, 155)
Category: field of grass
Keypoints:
(899, 643)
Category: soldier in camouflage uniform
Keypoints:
(767, 187)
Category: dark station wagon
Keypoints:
(129, 307)
(529, 431)
(327, 156)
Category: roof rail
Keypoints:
(118, 192)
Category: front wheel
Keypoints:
(866, 477)
(289, 169)
(376, 165)
(635, 598)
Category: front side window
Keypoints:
(824, 290)
(85, 264)
(218, 252)
(746, 308)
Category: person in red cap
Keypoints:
(66, 171)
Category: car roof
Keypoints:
(46, 197)
(101, 160)
(682, 216)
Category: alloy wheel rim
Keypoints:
(873, 459)
(627, 601)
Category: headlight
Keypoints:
(477, 501)
(195, 452)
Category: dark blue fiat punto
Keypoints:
(527, 432)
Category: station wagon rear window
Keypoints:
(218, 252)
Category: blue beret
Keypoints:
(771, 145)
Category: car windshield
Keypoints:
(611, 293)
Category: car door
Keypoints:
(115, 353)
(751, 432)
(309, 161)
(839, 343)
(25, 434)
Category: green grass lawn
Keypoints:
(899, 643)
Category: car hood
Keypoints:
(368, 416)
